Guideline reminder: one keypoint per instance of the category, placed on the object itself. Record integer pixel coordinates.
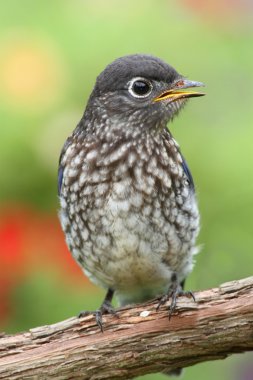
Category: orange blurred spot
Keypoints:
(221, 10)
(30, 73)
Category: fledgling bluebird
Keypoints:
(128, 205)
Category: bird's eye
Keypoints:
(140, 87)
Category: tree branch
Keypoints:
(138, 342)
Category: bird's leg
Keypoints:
(175, 290)
(105, 308)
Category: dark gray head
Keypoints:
(141, 90)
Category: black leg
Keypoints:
(182, 283)
(175, 290)
(105, 308)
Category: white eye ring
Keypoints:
(133, 91)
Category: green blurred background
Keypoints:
(50, 55)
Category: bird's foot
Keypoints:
(105, 308)
(175, 291)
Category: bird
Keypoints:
(128, 206)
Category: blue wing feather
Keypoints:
(60, 178)
(188, 173)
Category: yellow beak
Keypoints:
(176, 92)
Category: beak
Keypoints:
(176, 92)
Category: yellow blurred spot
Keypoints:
(30, 74)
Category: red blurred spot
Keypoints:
(10, 241)
(32, 241)
(12, 260)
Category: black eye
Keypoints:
(140, 87)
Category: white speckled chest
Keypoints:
(129, 214)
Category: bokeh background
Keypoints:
(50, 55)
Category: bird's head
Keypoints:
(141, 90)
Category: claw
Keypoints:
(105, 308)
(162, 301)
(175, 291)
(99, 321)
(84, 313)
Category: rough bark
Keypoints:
(140, 341)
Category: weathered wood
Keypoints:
(138, 342)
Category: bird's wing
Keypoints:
(61, 167)
(60, 177)
(188, 173)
